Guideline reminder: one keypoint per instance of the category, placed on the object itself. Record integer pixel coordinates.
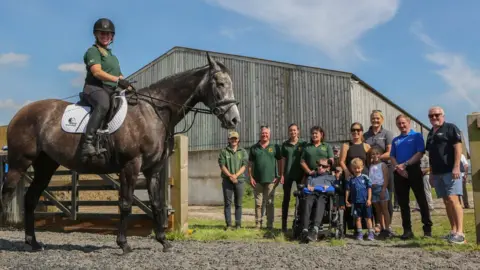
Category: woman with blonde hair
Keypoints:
(381, 137)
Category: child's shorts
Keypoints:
(376, 190)
(360, 210)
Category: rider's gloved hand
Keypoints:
(124, 84)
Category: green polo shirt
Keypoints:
(233, 161)
(311, 154)
(264, 161)
(292, 154)
(109, 63)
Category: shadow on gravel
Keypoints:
(6, 245)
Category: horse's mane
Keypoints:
(180, 76)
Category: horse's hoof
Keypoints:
(126, 249)
(167, 247)
(35, 246)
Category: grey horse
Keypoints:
(141, 144)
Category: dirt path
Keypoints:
(93, 251)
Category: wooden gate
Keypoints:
(55, 213)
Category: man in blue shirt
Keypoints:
(407, 150)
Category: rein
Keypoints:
(217, 111)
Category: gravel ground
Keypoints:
(91, 251)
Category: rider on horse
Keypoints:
(103, 75)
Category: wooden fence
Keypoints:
(61, 206)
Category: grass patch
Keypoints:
(440, 228)
(213, 230)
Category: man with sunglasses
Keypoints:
(444, 144)
(316, 199)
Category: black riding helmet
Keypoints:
(104, 25)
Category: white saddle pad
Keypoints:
(75, 117)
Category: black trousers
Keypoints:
(402, 187)
(317, 202)
(99, 98)
(287, 194)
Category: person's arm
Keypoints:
(251, 158)
(342, 159)
(366, 147)
(222, 162)
(244, 164)
(330, 153)
(93, 62)
(420, 148)
(388, 142)
(369, 189)
(303, 164)
(386, 179)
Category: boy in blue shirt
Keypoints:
(359, 187)
(316, 197)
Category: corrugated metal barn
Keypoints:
(277, 94)
(270, 93)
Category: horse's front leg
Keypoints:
(128, 178)
(156, 192)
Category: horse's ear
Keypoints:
(213, 65)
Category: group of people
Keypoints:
(375, 168)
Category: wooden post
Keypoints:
(473, 121)
(179, 170)
(74, 196)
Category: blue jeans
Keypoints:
(230, 189)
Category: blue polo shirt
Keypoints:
(405, 146)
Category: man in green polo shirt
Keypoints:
(293, 172)
(315, 150)
(103, 75)
(233, 161)
(264, 159)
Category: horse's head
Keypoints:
(218, 94)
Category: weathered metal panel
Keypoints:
(363, 101)
(270, 93)
(275, 94)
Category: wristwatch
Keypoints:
(406, 163)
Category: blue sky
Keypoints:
(417, 53)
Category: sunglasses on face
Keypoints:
(356, 130)
(324, 166)
(436, 115)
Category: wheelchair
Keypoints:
(333, 218)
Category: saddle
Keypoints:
(76, 116)
(114, 106)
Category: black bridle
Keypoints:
(215, 108)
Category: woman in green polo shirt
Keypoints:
(233, 160)
(315, 150)
(103, 75)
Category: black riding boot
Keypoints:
(88, 149)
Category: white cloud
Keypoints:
(78, 68)
(462, 95)
(9, 104)
(462, 80)
(16, 59)
(332, 26)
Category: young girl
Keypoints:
(360, 188)
(378, 173)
